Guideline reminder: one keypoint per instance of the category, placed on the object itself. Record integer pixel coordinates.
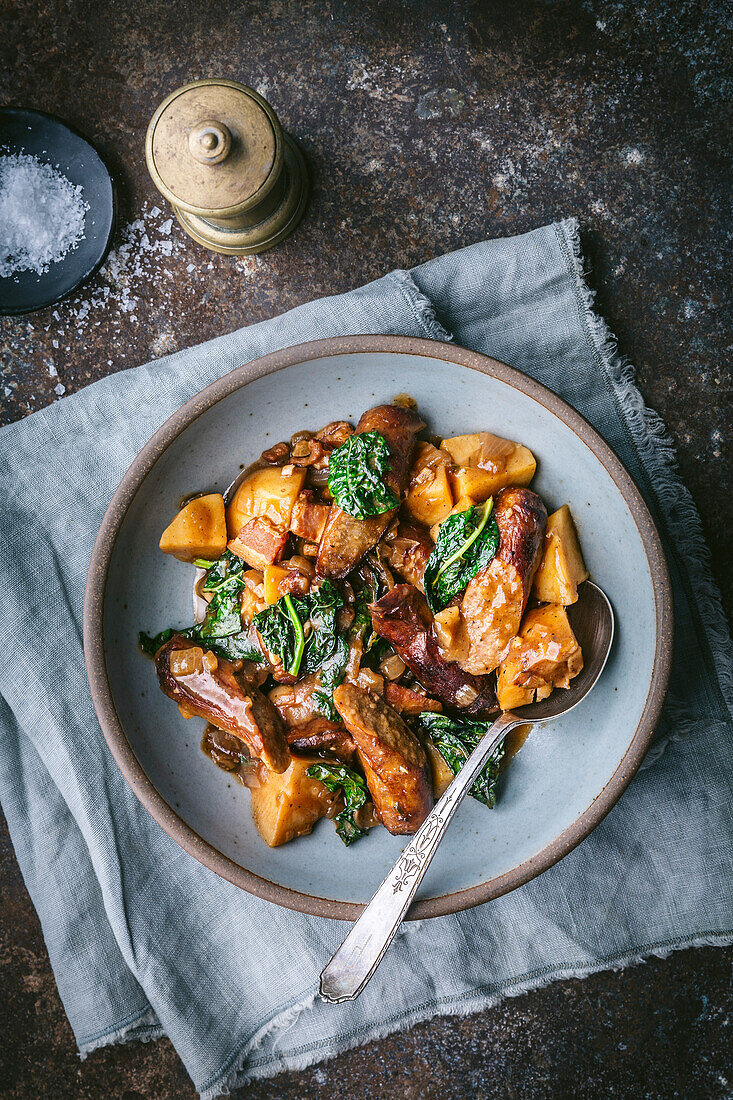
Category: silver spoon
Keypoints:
(360, 954)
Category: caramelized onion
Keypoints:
(466, 695)
(370, 681)
(211, 662)
(392, 667)
(185, 662)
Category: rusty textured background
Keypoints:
(428, 125)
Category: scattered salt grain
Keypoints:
(41, 215)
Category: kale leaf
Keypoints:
(455, 739)
(221, 630)
(325, 705)
(282, 627)
(332, 672)
(236, 647)
(372, 586)
(337, 777)
(356, 476)
(151, 644)
(467, 541)
(224, 581)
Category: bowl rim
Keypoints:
(93, 622)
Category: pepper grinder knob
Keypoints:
(210, 142)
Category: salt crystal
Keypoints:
(191, 267)
(60, 389)
(41, 215)
(166, 226)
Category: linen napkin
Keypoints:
(143, 939)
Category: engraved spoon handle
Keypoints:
(360, 954)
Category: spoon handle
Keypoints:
(360, 954)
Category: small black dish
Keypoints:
(53, 142)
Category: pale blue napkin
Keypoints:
(143, 940)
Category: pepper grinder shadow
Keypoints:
(237, 182)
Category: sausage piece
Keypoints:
(494, 600)
(403, 617)
(394, 761)
(346, 540)
(216, 694)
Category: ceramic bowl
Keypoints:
(567, 775)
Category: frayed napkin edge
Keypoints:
(657, 452)
(460, 1005)
(143, 1029)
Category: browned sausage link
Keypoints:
(408, 550)
(403, 617)
(494, 600)
(522, 519)
(394, 761)
(346, 540)
(218, 696)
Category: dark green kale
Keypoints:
(356, 476)
(325, 705)
(301, 630)
(221, 630)
(337, 777)
(368, 587)
(237, 647)
(151, 644)
(224, 582)
(332, 673)
(467, 541)
(455, 739)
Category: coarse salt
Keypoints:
(41, 215)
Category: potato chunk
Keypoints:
(198, 531)
(289, 803)
(509, 695)
(429, 499)
(274, 574)
(270, 493)
(485, 464)
(562, 568)
(544, 656)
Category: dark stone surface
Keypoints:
(428, 125)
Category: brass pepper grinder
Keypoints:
(237, 182)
